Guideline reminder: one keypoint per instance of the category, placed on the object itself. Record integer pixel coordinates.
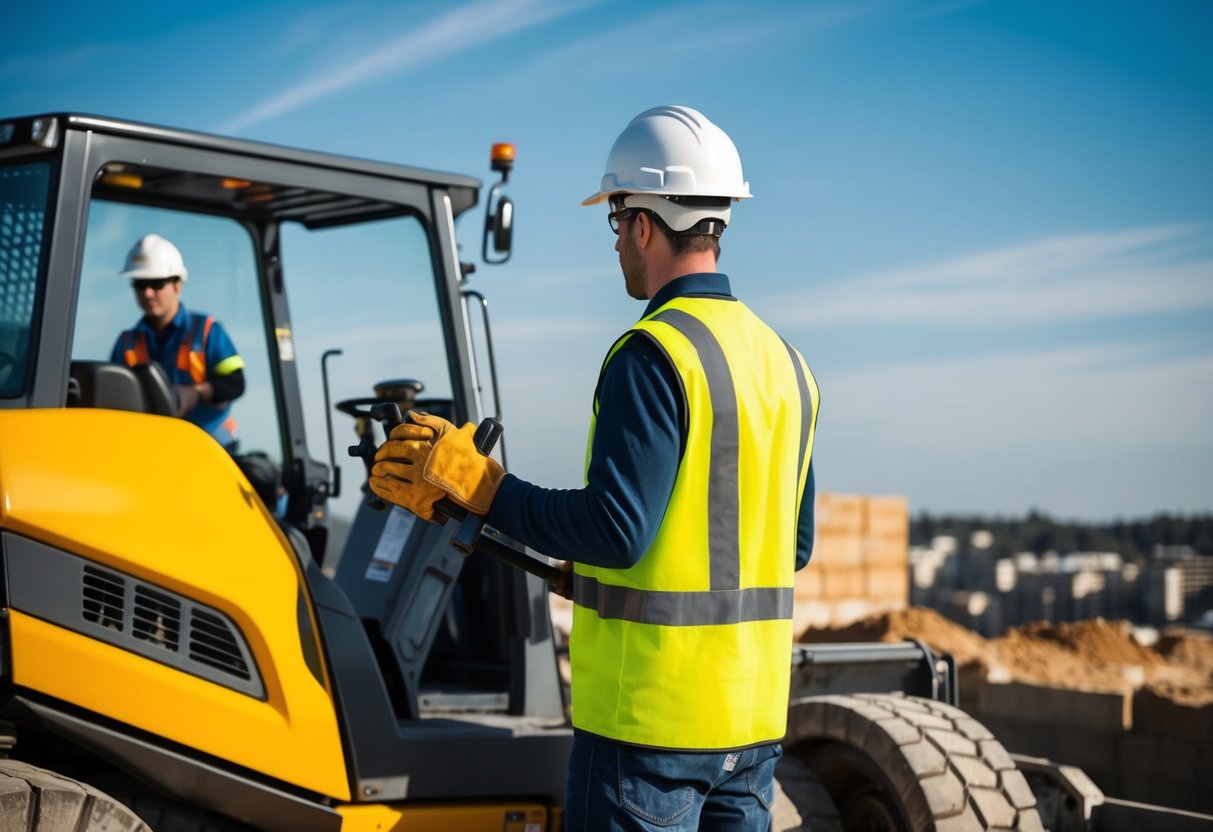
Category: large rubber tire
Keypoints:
(802, 803)
(36, 800)
(893, 763)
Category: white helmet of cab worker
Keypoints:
(154, 257)
(675, 162)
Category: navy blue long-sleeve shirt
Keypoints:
(638, 444)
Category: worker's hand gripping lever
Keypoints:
(389, 414)
(471, 525)
(473, 535)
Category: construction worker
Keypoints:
(203, 368)
(698, 508)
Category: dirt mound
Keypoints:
(1193, 650)
(1187, 676)
(1094, 655)
(1095, 640)
(926, 625)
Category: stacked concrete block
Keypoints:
(860, 562)
(1075, 727)
(1168, 756)
(1133, 745)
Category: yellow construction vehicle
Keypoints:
(169, 636)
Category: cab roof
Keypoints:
(464, 190)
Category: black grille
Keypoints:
(212, 643)
(104, 597)
(157, 618)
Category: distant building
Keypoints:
(988, 594)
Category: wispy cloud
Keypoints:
(457, 30)
(1070, 278)
(59, 63)
(704, 29)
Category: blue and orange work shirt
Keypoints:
(194, 348)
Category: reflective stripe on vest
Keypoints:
(135, 348)
(689, 649)
(191, 356)
(683, 609)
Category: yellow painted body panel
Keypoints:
(159, 499)
(473, 817)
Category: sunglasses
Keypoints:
(155, 284)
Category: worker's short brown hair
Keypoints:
(686, 243)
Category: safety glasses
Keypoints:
(617, 217)
(156, 284)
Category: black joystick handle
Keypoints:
(486, 435)
(389, 414)
(485, 439)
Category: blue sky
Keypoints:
(988, 225)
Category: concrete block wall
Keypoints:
(1135, 745)
(860, 563)
(1168, 756)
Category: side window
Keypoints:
(222, 282)
(369, 291)
(23, 195)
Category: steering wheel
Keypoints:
(400, 391)
(360, 408)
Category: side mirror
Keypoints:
(503, 226)
(499, 210)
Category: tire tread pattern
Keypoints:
(36, 800)
(950, 774)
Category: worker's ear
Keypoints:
(644, 225)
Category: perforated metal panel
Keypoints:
(23, 190)
(23, 198)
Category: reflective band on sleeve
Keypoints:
(723, 501)
(229, 365)
(683, 609)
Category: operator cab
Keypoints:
(328, 274)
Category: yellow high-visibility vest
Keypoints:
(690, 648)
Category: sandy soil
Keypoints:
(1087, 655)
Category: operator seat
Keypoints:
(143, 389)
(158, 396)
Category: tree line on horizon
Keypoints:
(1040, 533)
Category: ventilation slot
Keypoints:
(104, 597)
(157, 618)
(212, 643)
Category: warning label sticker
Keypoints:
(391, 545)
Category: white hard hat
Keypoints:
(674, 152)
(154, 257)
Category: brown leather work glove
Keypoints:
(467, 476)
(396, 475)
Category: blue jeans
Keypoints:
(620, 788)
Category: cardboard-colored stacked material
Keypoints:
(860, 563)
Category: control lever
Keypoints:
(485, 439)
(389, 414)
(471, 534)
